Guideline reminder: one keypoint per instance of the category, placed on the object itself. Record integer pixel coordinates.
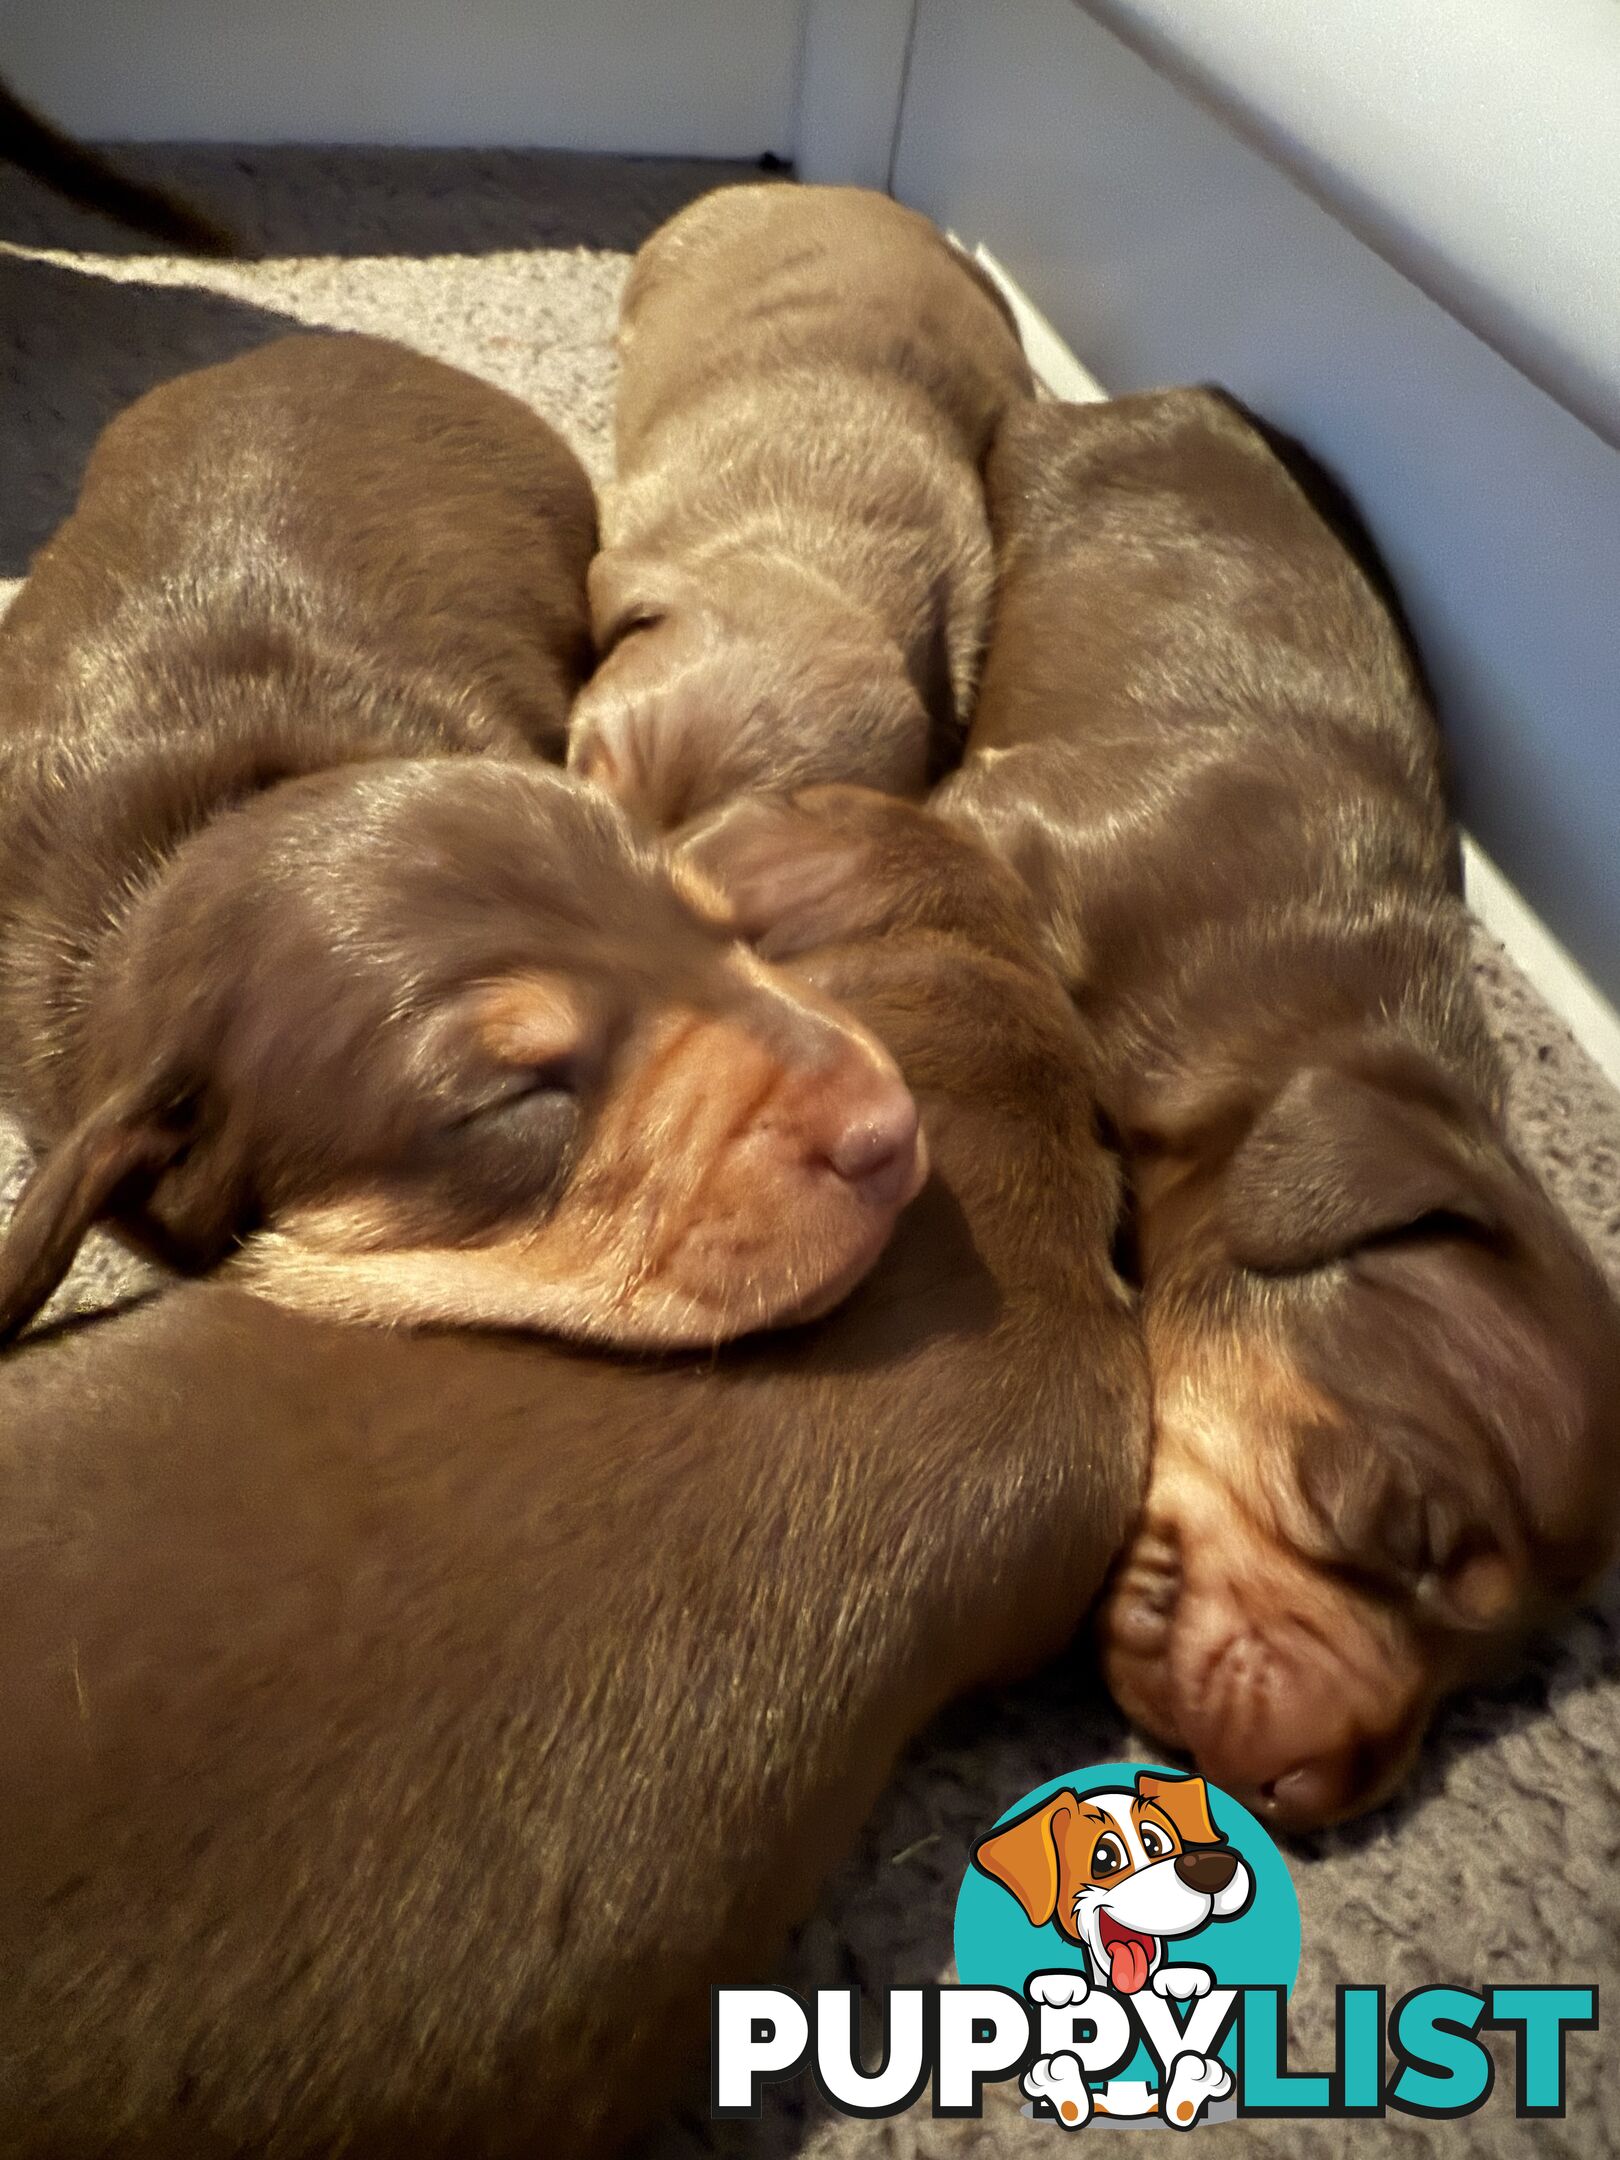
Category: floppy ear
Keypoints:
(73, 1188)
(792, 878)
(1336, 1161)
(1023, 1857)
(629, 591)
(1186, 1801)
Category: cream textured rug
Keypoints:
(1503, 1864)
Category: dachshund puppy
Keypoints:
(281, 960)
(796, 573)
(1386, 1375)
(362, 1794)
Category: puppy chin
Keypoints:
(792, 1289)
(507, 1287)
(479, 1287)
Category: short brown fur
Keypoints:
(91, 179)
(795, 579)
(365, 1794)
(1386, 1373)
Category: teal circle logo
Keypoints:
(1148, 1884)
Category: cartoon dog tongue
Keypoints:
(1129, 1956)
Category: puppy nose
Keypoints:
(1326, 1787)
(1206, 1872)
(878, 1148)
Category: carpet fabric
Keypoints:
(1503, 1862)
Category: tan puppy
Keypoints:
(796, 571)
(1387, 1376)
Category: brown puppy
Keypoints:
(279, 959)
(361, 1793)
(795, 582)
(1387, 1377)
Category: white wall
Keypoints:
(702, 78)
(1477, 148)
(851, 80)
(1164, 250)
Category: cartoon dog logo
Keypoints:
(1123, 1873)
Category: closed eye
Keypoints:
(510, 1154)
(635, 615)
(524, 1087)
(1437, 1224)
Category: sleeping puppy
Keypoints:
(281, 960)
(796, 573)
(1387, 1377)
(362, 1794)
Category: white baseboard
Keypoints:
(1496, 902)
(1533, 949)
(1053, 360)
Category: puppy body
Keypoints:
(366, 1793)
(1385, 1371)
(331, 551)
(281, 958)
(796, 573)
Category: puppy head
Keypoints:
(1387, 1419)
(445, 1042)
(1121, 1872)
(908, 918)
(756, 680)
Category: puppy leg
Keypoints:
(1060, 2079)
(1194, 2081)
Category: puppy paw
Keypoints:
(1058, 1990)
(1181, 1983)
(1060, 2080)
(1139, 1609)
(1195, 2080)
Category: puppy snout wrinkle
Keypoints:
(1206, 1872)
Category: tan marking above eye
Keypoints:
(532, 1019)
